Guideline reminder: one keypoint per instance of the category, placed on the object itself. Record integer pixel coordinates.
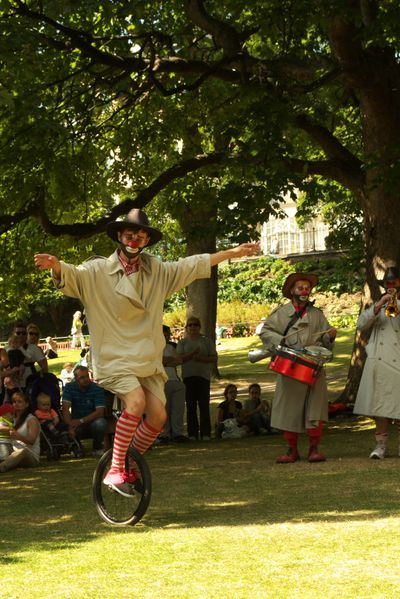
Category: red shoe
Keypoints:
(133, 478)
(130, 477)
(289, 458)
(315, 456)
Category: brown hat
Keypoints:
(298, 276)
(134, 218)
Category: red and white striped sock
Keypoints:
(124, 432)
(144, 436)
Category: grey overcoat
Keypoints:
(295, 407)
(379, 390)
(124, 313)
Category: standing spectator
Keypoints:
(198, 356)
(297, 407)
(378, 394)
(76, 330)
(175, 392)
(25, 436)
(83, 408)
(31, 350)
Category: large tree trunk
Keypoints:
(374, 77)
(382, 250)
(199, 229)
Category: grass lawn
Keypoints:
(224, 521)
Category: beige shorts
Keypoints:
(123, 385)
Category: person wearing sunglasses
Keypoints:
(30, 348)
(198, 357)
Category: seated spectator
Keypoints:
(16, 359)
(6, 424)
(175, 392)
(31, 350)
(9, 388)
(84, 359)
(51, 350)
(67, 373)
(48, 418)
(83, 408)
(229, 415)
(11, 377)
(257, 412)
(25, 436)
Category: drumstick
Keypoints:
(299, 331)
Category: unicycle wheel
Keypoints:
(117, 509)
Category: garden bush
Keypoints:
(251, 289)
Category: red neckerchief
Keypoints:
(127, 266)
(300, 310)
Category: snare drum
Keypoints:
(295, 364)
(320, 353)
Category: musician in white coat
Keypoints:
(378, 393)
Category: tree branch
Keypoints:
(328, 142)
(225, 36)
(341, 172)
(37, 208)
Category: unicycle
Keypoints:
(117, 509)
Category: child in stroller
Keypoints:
(45, 396)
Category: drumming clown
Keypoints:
(301, 339)
(124, 296)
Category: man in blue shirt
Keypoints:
(83, 407)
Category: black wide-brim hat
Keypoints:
(391, 274)
(298, 276)
(134, 218)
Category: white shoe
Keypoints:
(378, 453)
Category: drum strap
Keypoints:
(295, 317)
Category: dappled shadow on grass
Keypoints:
(48, 507)
(220, 483)
(233, 486)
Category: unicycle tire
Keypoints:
(117, 509)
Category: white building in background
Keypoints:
(282, 236)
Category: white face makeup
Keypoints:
(301, 291)
(133, 240)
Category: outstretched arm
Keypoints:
(246, 249)
(47, 262)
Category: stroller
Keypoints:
(53, 445)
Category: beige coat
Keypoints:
(379, 390)
(295, 407)
(124, 313)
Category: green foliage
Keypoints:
(249, 290)
(261, 280)
(255, 281)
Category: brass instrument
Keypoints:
(392, 309)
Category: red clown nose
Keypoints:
(133, 244)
